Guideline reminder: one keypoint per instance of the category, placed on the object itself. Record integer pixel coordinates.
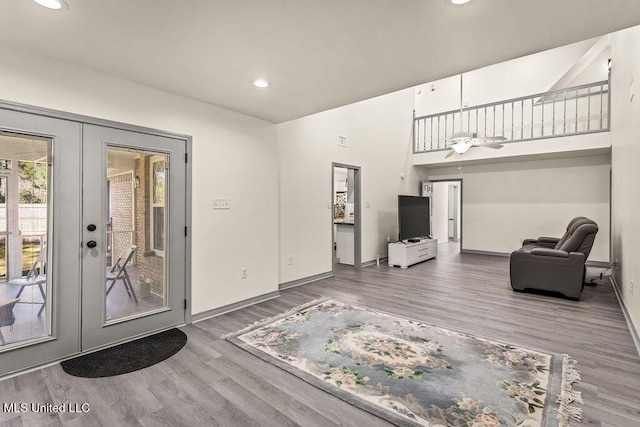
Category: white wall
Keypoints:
(440, 209)
(508, 202)
(625, 160)
(524, 76)
(378, 135)
(234, 157)
(567, 146)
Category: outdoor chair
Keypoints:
(35, 277)
(119, 272)
(7, 318)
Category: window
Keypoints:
(158, 182)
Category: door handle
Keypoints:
(92, 244)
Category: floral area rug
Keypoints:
(411, 373)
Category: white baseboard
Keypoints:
(374, 262)
(305, 280)
(475, 252)
(232, 307)
(589, 263)
(632, 329)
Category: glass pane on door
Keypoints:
(135, 233)
(3, 228)
(25, 188)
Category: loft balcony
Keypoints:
(572, 121)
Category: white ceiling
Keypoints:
(17, 148)
(318, 54)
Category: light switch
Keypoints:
(221, 204)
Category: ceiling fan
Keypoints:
(460, 142)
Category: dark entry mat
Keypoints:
(127, 357)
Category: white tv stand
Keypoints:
(403, 254)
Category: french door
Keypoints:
(40, 316)
(133, 226)
(92, 237)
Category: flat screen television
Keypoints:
(413, 217)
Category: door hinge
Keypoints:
(186, 157)
(166, 165)
(185, 230)
(185, 304)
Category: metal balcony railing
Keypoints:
(573, 111)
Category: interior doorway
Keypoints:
(446, 213)
(345, 215)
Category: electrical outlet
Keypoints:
(342, 141)
(290, 259)
(221, 204)
(244, 273)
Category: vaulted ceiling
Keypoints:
(317, 54)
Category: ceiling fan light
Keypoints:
(261, 83)
(52, 4)
(461, 147)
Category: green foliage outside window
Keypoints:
(33, 182)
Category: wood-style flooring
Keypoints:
(211, 382)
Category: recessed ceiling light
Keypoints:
(261, 83)
(53, 4)
(453, 1)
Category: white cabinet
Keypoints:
(345, 243)
(405, 254)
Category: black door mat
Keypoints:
(127, 357)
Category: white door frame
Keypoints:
(357, 217)
(460, 208)
(454, 209)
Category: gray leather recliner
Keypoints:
(550, 242)
(560, 268)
